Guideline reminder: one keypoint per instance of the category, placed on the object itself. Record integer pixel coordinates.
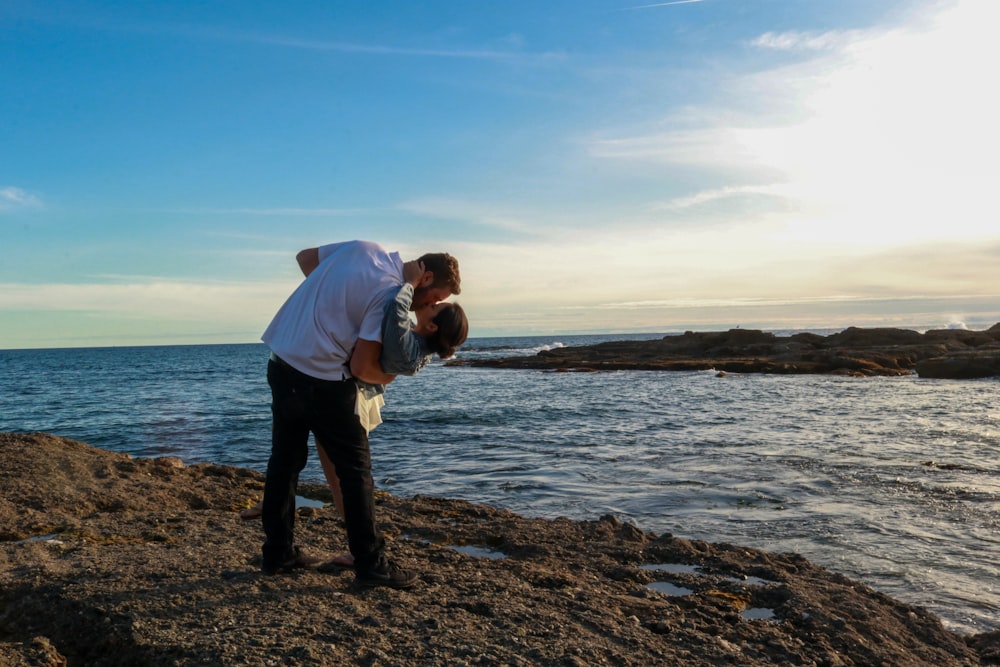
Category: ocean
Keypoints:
(894, 482)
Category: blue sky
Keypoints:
(595, 165)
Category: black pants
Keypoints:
(301, 404)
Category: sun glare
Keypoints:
(902, 136)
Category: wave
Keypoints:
(507, 350)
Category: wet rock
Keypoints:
(962, 365)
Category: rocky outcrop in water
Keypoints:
(961, 365)
(109, 560)
(939, 353)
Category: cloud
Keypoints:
(381, 50)
(668, 269)
(870, 138)
(138, 310)
(154, 299)
(724, 302)
(210, 33)
(14, 198)
(811, 41)
(284, 212)
(661, 4)
(708, 196)
(338, 46)
(497, 216)
(856, 176)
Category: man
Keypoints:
(327, 334)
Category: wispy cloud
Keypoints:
(707, 196)
(283, 212)
(14, 198)
(375, 49)
(661, 4)
(478, 213)
(206, 33)
(811, 41)
(150, 297)
(137, 310)
(211, 33)
(729, 302)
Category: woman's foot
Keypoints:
(338, 564)
(343, 560)
(252, 512)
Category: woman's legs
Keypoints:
(330, 471)
(331, 479)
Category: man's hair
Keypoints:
(445, 268)
(452, 330)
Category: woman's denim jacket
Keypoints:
(403, 352)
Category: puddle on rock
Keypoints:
(467, 549)
(681, 568)
(758, 614)
(302, 501)
(478, 552)
(672, 568)
(40, 538)
(668, 588)
(753, 581)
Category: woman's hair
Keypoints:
(452, 330)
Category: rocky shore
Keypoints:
(939, 353)
(107, 559)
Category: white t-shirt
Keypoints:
(343, 299)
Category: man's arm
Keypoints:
(308, 260)
(364, 363)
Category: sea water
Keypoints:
(894, 482)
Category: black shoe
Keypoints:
(296, 561)
(384, 572)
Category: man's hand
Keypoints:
(413, 272)
(364, 363)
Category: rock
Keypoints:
(962, 365)
(39, 652)
(565, 592)
(853, 352)
(174, 462)
(988, 646)
(856, 337)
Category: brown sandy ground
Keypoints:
(145, 562)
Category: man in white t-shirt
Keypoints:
(325, 335)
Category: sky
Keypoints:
(595, 165)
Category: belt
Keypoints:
(284, 364)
